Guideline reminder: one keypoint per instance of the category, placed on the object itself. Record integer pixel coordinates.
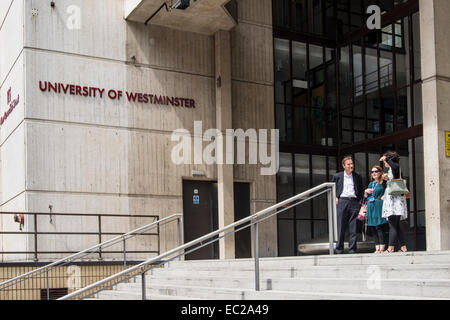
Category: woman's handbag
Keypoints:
(362, 215)
(397, 187)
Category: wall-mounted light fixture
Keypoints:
(198, 173)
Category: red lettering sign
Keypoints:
(134, 97)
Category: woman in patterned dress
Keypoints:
(373, 196)
(394, 207)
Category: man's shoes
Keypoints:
(339, 252)
(352, 252)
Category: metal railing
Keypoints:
(37, 228)
(386, 80)
(253, 220)
(97, 249)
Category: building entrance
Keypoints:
(200, 216)
(200, 210)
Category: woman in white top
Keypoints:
(394, 207)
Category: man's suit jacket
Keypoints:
(338, 178)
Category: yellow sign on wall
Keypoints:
(447, 143)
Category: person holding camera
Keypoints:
(394, 206)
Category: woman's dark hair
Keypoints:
(393, 156)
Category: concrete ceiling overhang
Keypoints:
(202, 16)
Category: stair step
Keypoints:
(346, 259)
(357, 272)
(132, 295)
(419, 288)
(208, 293)
(411, 275)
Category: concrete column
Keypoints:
(224, 121)
(435, 47)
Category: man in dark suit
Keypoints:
(349, 194)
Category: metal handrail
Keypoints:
(33, 218)
(254, 219)
(68, 259)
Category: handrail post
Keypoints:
(330, 221)
(334, 207)
(256, 253)
(48, 286)
(124, 254)
(35, 239)
(180, 234)
(100, 237)
(144, 296)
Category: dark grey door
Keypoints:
(200, 216)
(243, 246)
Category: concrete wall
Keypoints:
(12, 132)
(253, 102)
(94, 155)
(435, 45)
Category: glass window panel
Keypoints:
(402, 63)
(301, 120)
(346, 123)
(315, 56)
(417, 47)
(360, 125)
(300, 17)
(321, 230)
(303, 231)
(319, 172)
(418, 113)
(357, 73)
(332, 128)
(402, 109)
(289, 130)
(360, 167)
(373, 113)
(347, 137)
(281, 12)
(332, 167)
(286, 238)
(371, 76)
(344, 78)
(386, 5)
(359, 136)
(285, 181)
(420, 182)
(359, 110)
(329, 54)
(281, 121)
(302, 183)
(386, 69)
(282, 71)
(320, 207)
(319, 127)
(331, 87)
(299, 64)
(303, 211)
(315, 7)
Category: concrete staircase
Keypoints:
(414, 275)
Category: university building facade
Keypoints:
(92, 92)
